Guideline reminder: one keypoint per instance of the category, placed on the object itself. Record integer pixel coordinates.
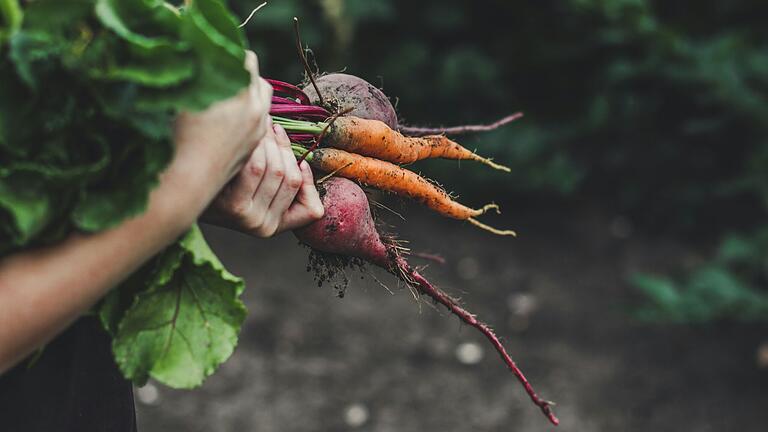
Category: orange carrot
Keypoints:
(375, 139)
(392, 178)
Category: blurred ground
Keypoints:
(309, 361)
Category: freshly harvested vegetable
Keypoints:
(347, 226)
(366, 149)
(348, 229)
(375, 139)
(341, 91)
(392, 178)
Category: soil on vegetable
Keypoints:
(332, 269)
(558, 294)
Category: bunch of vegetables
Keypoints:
(357, 142)
(90, 88)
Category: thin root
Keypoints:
(256, 9)
(439, 296)
(457, 130)
(496, 231)
(430, 257)
(380, 205)
(331, 174)
(370, 273)
(303, 58)
(492, 164)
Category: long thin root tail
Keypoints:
(456, 130)
(413, 278)
(491, 229)
(490, 163)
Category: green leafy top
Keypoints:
(90, 88)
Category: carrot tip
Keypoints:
(492, 206)
(493, 164)
(496, 231)
(490, 163)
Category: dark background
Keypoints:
(635, 295)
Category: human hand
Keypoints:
(270, 194)
(213, 144)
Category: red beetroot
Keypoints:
(342, 91)
(347, 228)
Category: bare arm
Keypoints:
(43, 291)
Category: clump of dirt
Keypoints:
(332, 268)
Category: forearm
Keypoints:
(42, 291)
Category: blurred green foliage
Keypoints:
(657, 109)
(725, 287)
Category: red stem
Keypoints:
(423, 285)
(301, 137)
(289, 89)
(458, 130)
(277, 100)
(307, 112)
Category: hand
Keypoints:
(213, 144)
(270, 194)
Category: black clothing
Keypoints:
(74, 386)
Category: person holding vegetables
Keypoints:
(231, 167)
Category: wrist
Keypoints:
(186, 188)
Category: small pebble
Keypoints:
(522, 304)
(469, 353)
(356, 415)
(762, 355)
(468, 268)
(148, 395)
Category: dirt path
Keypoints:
(309, 361)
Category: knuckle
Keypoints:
(257, 168)
(273, 229)
(267, 229)
(293, 181)
(239, 208)
(254, 223)
(278, 173)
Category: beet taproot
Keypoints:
(347, 228)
